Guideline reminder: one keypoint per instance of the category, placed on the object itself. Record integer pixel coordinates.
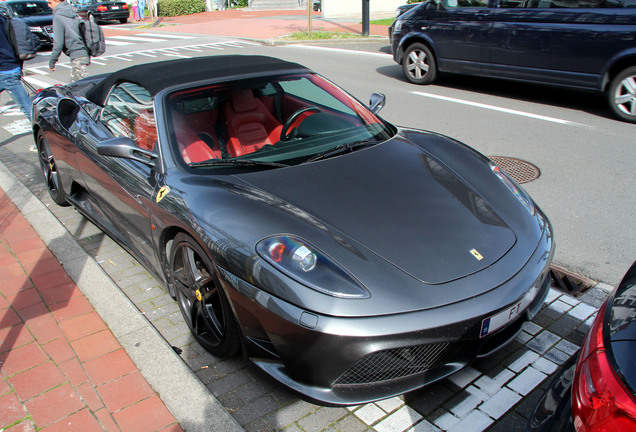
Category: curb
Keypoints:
(280, 41)
(182, 392)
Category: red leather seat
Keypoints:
(250, 124)
(144, 130)
(191, 130)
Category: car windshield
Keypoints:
(272, 122)
(26, 9)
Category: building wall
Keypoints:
(353, 8)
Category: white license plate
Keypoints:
(114, 7)
(501, 319)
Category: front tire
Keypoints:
(622, 95)
(201, 298)
(419, 64)
(49, 170)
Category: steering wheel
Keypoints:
(290, 120)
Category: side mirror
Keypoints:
(376, 102)
(124, 147)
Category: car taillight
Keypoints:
(600, 401)
(125, 6)
(102, 8)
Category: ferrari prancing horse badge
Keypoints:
(162, 193)
(476, 254)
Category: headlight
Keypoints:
(516, 190)
(398, 26)
(307, 265)
(36, 29)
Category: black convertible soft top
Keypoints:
(160, 75)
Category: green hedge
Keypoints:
(169, 8)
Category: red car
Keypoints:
(595, 390)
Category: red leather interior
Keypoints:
(144, 130)
(250, 124)
(189, 128)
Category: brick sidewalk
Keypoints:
(61, 367)
(249, 24)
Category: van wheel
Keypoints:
(419, 64)
(622, 95)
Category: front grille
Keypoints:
(398, 363)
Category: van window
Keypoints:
(465, 3)
(570, 4)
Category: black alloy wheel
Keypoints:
(201, 299)
(419, 64)
(49, 171)
(622, 95)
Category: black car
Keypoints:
(104, 10)
(585, 44)
(596, 389)
(37, 14)
(350, 259)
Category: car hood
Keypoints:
(38, 21)
(402, 204)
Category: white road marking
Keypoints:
(181, 51)
(109, 41)
(166, 36)
(18, 127)
(36, 82)
(496, 108)
(372, 54)
(134, 39)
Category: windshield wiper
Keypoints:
(339, 149)
(237, 162)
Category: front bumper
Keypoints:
(111, 15)
(349, 361)
(45, 34)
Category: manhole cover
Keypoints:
(520, 171)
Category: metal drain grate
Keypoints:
(569, 282)
(520, 171)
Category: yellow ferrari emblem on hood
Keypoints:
(476, 254)
(162, 193)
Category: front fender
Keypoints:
(615, 65)
(411, 38)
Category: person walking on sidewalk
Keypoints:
(135, 11)
(68, 39)
(11, 72)
(141, 5)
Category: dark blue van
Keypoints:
(588, 44)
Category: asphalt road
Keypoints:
(585, 157)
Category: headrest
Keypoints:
(243, 100)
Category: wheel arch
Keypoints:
(36, 131)
(412, 38)
(626, 60)
(168, 234)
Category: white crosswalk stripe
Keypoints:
(121, 40)
(144, 38)
(166, 36)
(109, 41)
(170, 52)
